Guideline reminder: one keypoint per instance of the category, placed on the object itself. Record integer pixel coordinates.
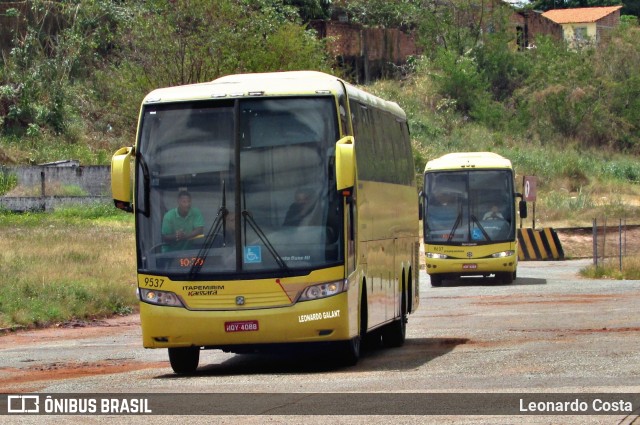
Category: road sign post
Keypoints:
(530, 193)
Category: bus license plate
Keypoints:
(245, 326)
(469, 266)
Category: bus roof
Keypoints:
(466, 160)
(272, 84)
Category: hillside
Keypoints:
(70, 88)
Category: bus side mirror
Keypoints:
(420, 205)
(345, 163)
(121, 178)
(522, 205)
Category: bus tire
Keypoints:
(505, 278)
(350, 351)
(436, 280)
(184, 360)
(394, 334)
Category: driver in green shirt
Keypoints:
(181, 224)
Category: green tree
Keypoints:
(589, 96)
(50, 55)
(472, 56)
(198, 40)
(194, 41)
(631, 7)
(617, 63)
(385, 13)
(88, 63)
(455, 25)
(311, 9)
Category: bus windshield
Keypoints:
(469, 207)
(238, 187)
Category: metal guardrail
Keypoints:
(610, 242)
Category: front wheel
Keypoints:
(506, 278)
(348, 352)
(184, 360)
(436, 280)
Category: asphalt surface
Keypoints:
(549, 332)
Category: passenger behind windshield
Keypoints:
(182, 224)
(493, 214)
(301, 209)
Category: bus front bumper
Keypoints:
(327, 319)
(472, 267)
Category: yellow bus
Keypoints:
(469, 217)
(271, 209)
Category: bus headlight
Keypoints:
(153, 296)
(324, 290)
(503, 254)
(437, 256)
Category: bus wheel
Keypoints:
(394, 334)
(349, 351)
(505, 278)
(436, 280)
(184, 360)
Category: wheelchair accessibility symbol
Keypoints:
(252, 254)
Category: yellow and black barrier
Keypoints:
(541, 244)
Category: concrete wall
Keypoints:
(49, 203)
(95, 182)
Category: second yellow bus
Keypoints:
(469, 217)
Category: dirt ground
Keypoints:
(579, 243)
(29, 379)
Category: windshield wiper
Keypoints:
(249, 219)
(219, 222)
(455, 226)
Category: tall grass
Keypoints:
(76, 263)
(611, 269)
(7, 182)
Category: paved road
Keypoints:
(550, 331)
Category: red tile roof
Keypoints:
(579, 15)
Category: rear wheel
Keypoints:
(394, 334)
(184, 360)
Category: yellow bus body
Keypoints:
(469, 259)
(380, 264)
